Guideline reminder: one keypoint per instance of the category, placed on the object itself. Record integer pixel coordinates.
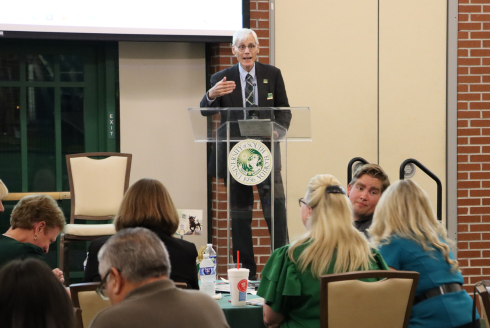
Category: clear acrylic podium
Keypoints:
(250, 149)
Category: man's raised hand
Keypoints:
(221, 88)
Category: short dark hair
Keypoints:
(32, 297)
(374, 171)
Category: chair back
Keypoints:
(85, 297)
(484, 299)
(347, 302)
(97, 186)
(78, 317)
(181, 285)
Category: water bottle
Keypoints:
(208, 276)
(212, 254)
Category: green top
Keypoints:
(11, 249)
(296, 294)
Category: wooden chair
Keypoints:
(85, 298)
(347, 302)
(484, 299)
(78, 317)
(97, 187)
(181, 285)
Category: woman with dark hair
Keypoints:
(32, 297)
(148, 204)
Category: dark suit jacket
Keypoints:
(275, 86)
(182, 255)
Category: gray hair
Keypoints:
(137, 253)
(243, 34)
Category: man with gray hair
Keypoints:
(250, 84)
(135, 267)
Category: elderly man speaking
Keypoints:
(135, 268)
(250, 84)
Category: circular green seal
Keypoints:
(250, 162)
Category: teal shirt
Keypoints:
(296, 294)
(443, 311)
(11, 249)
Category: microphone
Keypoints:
(255, 84)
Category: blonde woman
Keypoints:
(290, 281)
(410, 238)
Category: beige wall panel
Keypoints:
(158, 82)
(412, 87)
(327, 52)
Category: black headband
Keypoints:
(335, 190)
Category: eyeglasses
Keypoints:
(301, 201)
(102, 290)
(242, 47)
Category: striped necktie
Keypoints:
(249, 92)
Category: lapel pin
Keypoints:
(266, 81)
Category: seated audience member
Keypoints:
(364, 190)
(331, 245)
(410, 238)
(148, 204)
(3, 193)
(32, 297)
(136, 267)
(35, 223)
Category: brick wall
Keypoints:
(474, 140)
(473, 136)
(221, 57)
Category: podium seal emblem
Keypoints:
(250, 162)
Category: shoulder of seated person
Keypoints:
(186, 244)
(99, 242)
(30, 246)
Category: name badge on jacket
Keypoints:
(269, 96)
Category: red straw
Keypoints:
(238, 260)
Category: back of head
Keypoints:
(32, 297)
(137, 253)
(330, 210)
(374, 171)
(405, 210)
(242, 34)
(3, 190)
(36, 208)
(147, 204)
(330, 230)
